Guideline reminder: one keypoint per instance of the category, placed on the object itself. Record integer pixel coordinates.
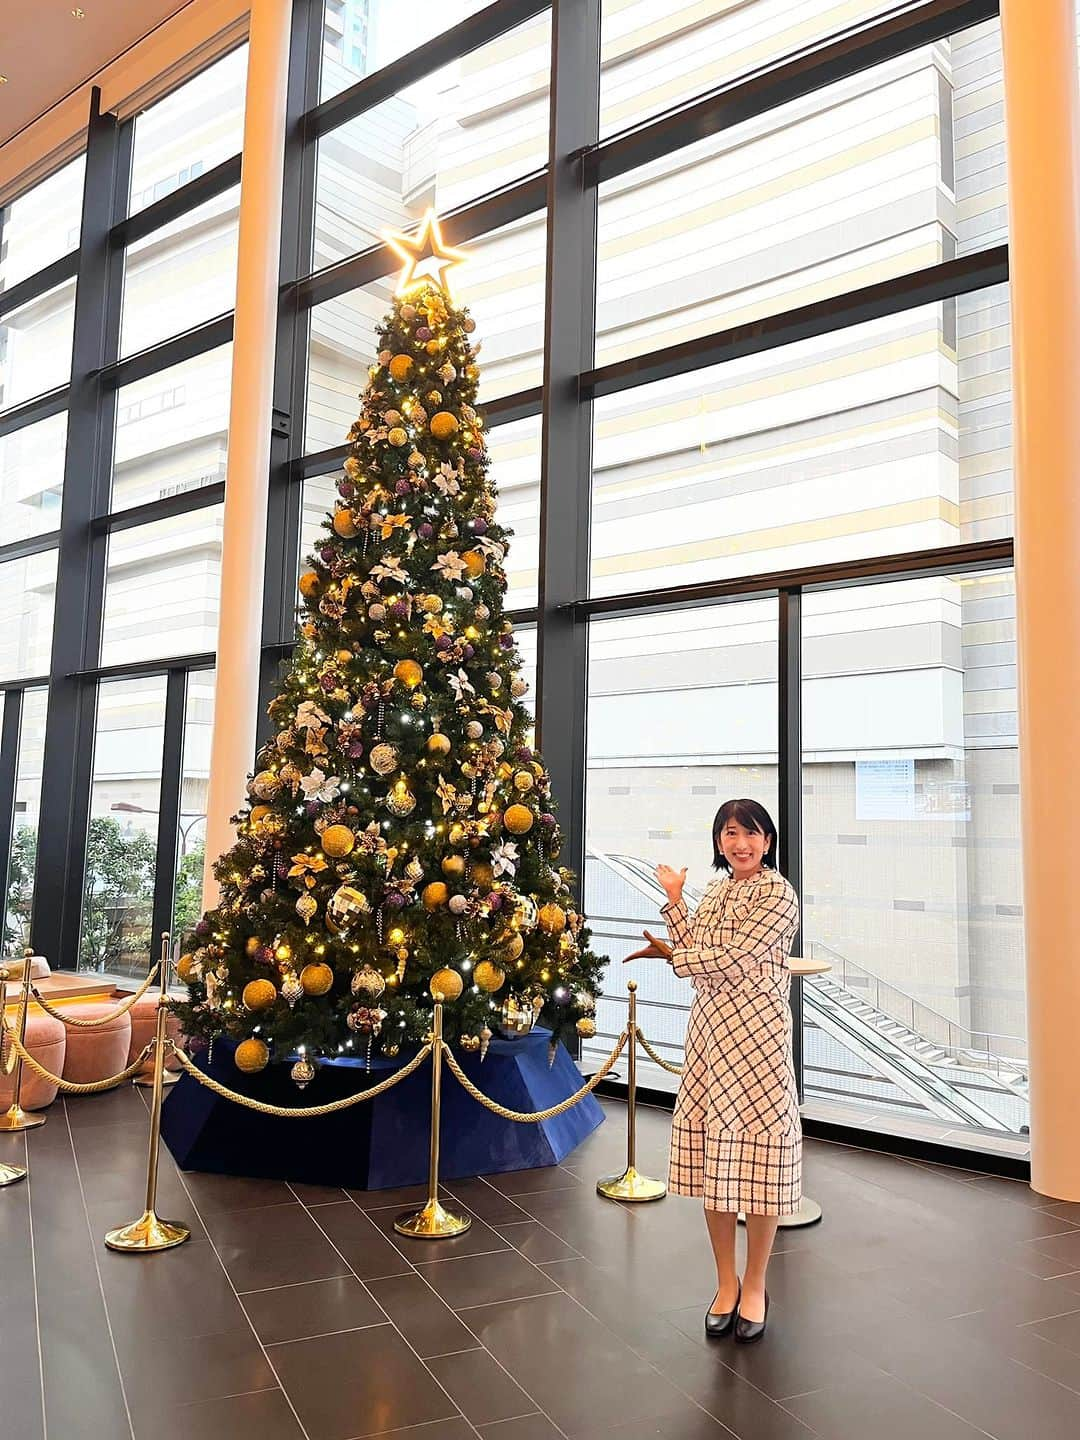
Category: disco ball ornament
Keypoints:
(516, 1017)
(302, 1073)
(346, 906)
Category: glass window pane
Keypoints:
(181, 275)
(682, 716)
(32, 478)
(121, 845)
(468, 129)
(41, 224)
(23, 859)
(503, 286)
(35, 346)
(194, 128)
(27, 595)
(657, 54)
(360, 36)
(172, 430)
(191, 838)
(162, 588)
(912, 864)
(515, 469)
(829, 449)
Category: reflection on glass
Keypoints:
(829, 449)
(194, 128)
(470, 128)
(911, 856)
(32, 478)
(181, 275)
(162, 588)
(361, 36)
(27, 595)
(121, 846)
(682, 715)
(502, 284)
(172, 430)
(23, 858)
(35, 345)
(191, 835)
(659, 53)
(41, 224)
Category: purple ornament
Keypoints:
(355, 750)
(395, 900)
(282, 868)
(475, 453)
(479, 526)
(506, 642)
(402, 487)
(524, 753)
(468, 652)
(203, 927)
(423, 333)
(495, 901)
(311, 808)
(399, 610)
(326, 554)
(425, 531)
(346, 489)
(547, 821)
(328, 683)
(443, 642)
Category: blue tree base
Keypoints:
(380, 1143)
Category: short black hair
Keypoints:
(751, 816)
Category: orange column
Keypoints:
(232, 744)
(1042, 126)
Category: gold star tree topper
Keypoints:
(426, 255)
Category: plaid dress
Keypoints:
(736, 1140)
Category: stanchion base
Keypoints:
(147, 1233)
(809, 1213)
(631, 1185)
(10, 1173)
(146, 1082)
(431, 1223)
(19, 1119)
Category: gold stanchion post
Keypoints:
(8, 1173)
(150, 1233)
(433, 1222)
(631, 1184)
(169, 1077)
(16, 1118)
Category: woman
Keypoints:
(736, 1140)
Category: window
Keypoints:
(360, 36)
(35, 345)
(121, 846)
(682, 715)
(194, 128)
(22, 861)
(162, 588)
(195, 776)
(32, 478)
(515, 469)
(42, 224)
(468, 129)
(172, 430)
(912, 855)
(27, 593)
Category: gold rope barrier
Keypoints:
(536, 1115)
(69, 1019)
(69, 1087)
(9, 1174)
(631, 1184)
(16, 1118)
(302, 1112)
(655, 1058)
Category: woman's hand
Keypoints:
(671, 882)
(654, 950)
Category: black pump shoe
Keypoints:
(748, 1332)
(719, 1325)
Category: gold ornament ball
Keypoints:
(438, 744)
(409, 673)
(586, 1027)
(431, 604)
(432, 347)
(390, 1049)
(397, 436)
(443, 424)
(259, 994)
(252, 1055)
(456, 834)
(344, 656)
(400, 367)
(383, 759)
(523, 781)
(344, 524)
(337, 841)
(518, 819)
(434, 895)
(183, 969)
(266, 784)
(552, 918)
(258, 814)
(453, 866)
(517, 1016)
(475, 564)
(309, 584)
(316, 978)
(514, 947)
(483, 875)
(489, 977)
(446, 985)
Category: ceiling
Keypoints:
(46, 52)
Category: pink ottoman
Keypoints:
(46, 1040)
(96, 1054)
(143, 1020)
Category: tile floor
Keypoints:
(935, 1303)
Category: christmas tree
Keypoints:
(400, 838)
